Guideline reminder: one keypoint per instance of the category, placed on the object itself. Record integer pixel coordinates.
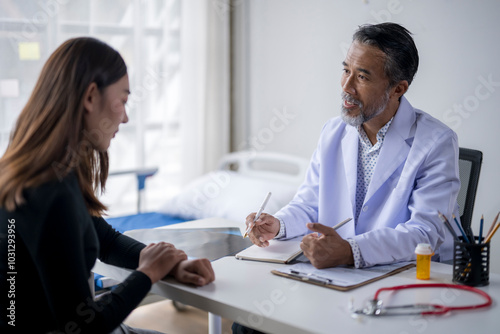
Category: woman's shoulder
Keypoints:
(65, 188)
(47, 206)
(56, 195)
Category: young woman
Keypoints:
(51, 225)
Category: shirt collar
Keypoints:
(380, 136)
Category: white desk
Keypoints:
(248, 293)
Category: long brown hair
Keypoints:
(49, 140)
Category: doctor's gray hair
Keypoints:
(396, 42)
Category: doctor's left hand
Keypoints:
(198, 272)
(326, 250)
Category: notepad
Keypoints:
(278, 251)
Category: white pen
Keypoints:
(339, 225)
(262, 207)
(342, 223)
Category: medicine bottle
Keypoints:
(424, 253)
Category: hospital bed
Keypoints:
(235, 189)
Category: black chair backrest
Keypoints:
(469, 168)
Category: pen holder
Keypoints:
(471, 263)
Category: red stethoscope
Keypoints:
(375, 308)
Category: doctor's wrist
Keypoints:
(281, 232)
(349, 258)
(358, 261)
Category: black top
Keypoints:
(48, 248)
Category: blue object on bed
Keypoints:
(143, 220)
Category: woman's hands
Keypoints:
(162, 259)
(198, 272)
(157, 260)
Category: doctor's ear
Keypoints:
(400, 88)
(91, 97)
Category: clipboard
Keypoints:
(311, 278)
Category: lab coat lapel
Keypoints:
(350, 156)
(395, 148)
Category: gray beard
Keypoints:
(364, 115)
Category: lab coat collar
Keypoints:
(350, 155)
(396, 146)
(404, 120)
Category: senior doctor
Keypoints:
(387, 165)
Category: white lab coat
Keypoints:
(416, 175)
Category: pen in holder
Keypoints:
(471, 262)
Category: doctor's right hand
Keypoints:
(265, 229)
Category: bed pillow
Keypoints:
(229, 195)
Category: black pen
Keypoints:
(448, 226)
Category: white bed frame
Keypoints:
(267, 165)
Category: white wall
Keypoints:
(289, 69)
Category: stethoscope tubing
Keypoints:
(442, 309)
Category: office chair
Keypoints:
(469, 167)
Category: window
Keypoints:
(147, 35)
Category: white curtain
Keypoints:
(205, 118)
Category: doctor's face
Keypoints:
(365, 86)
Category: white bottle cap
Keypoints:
(423, 249)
